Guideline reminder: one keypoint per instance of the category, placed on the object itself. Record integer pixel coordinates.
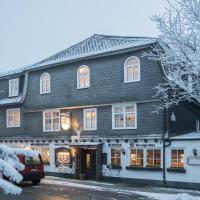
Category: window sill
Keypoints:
(133, 81)
(80, 88)
(45, 93)
(177, 170)
(116, 167)
(144, 168)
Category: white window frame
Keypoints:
(177, 149)
(136, 149)
(41, 77)
(78, 77)
(84, 119)
(13, 87)
(126, 71)
(51, 118)
(154, 149)
(13, 110)
(124, 115)
(115, 157)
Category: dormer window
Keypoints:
(132, 70)
(83, 77)
(45, 83)
(14, 87)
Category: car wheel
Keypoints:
(36, 182)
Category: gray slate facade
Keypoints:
(106, 88)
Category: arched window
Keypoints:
(45, 83)
(83, 77)
(132, 70)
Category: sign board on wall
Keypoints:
(193, 160)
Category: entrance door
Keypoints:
(88, 163)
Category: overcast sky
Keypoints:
(31, 30)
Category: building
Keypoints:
(89, 111)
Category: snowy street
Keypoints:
(53, 188)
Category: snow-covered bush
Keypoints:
(9, 167)
(179, 52)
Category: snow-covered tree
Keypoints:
(179, 52)
(9, 167)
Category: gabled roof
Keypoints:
(92, 46)
(96, 44)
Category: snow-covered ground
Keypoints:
(153, 193)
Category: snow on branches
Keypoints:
(179, 52)
(10, 167)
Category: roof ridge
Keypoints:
(118, 36)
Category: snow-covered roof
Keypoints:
(192, 135)
(92, 46)
(8, 101)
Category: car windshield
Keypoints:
(32, 160)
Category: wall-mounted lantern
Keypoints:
(123, 151)
(195, 152)
(66, 121)
(173, 117)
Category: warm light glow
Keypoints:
(73, 152)
(66, 121)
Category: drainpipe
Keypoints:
(166, 127)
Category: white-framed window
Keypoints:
(51, 120)
(14, 87)
(177, 158)
(124, 116)
(136, 157)
(116, 157)
(132, 69)
(13, 117)
(83, 77)
(90, 119)
(153, 158)
(45, 83)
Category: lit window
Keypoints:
(13, 117)
(177, 158)
(132, 70)
(136, 158)
(153, 158)
(14, 87)
(62, 157)
(51, 120)
(124, 116)
(116, 157)
(90, 119)
(83, 77)
(45, 83)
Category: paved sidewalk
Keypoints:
(144, 190)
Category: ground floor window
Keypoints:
(153, 158)
(177, 158)
(116, 157)
(62, 157)
(136, 157)
(45, 154)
